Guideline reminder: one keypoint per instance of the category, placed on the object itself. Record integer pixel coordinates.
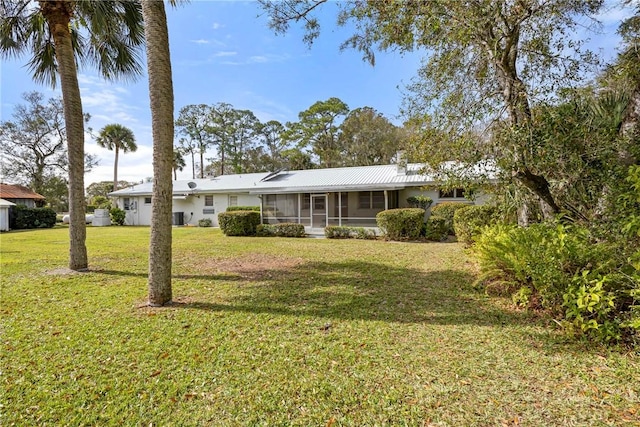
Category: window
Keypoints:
(377, 199)
(233, 200)
(147, 200)
(371, 200)
(126, 202)
(306, 201)
(457, 193)
(208, 200)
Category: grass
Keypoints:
(271, 331)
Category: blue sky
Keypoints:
(223, 51)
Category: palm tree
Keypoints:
(161, 100)
(59, 35)
(178, 163)
(117, 138)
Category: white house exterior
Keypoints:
(4, 214)
(350, 196)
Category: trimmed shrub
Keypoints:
(446, 210)
(23, 218)
(239, 223)
(342, 232)
(243, 208)
(401, 224)
(436, 229)
(337, 232)
(469, 221)
(205, 222)
(117, 216)
(283, 229)
(422, 202)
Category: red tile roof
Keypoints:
(8, 191)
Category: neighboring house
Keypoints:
(4, 214)
(21, 195)
(315, 197)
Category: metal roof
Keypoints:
(310, 180)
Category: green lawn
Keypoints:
(270, 331)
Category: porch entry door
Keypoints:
(318, 210)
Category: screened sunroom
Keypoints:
(317, 210)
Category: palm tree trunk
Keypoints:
(161, 98)
(58, 15)
(115, 170)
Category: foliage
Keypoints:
(401, 224)
(117, 138)
(239, 223)
(23, 218)
(243, 208)
(435, 229)
(103, 188)
(205, 222)
(318, 130)
(422, 202)
(343, 232)
(562, 269)
(283, 229)
(178, 163)
(117, 216)
(468, 222)
(34, 144)
(194, 124)
(447, 210)
(368, 138)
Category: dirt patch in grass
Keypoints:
(252, 266)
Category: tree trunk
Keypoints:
(193, 165)
(58, 16)
(161, 99)
(630, 126)
(115, 169)
(201, 163)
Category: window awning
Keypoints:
(180, 197)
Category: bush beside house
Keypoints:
(243, 208)
(446, 210)
(469, 221)
(283, 229)
(401, 224)
(23, 218)
(239, 223)
(341, 232)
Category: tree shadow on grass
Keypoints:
(211, 277)
(358, 290)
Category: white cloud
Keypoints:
(224, 53)
(200, 41)
(216, 26)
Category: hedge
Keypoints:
(239, 223)
(469, 221)
(401, 224)
(436, 229)
(243, 208)
(446, 210)
(23, 218)
(283, 229)
(205, 222)
(341, 232)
